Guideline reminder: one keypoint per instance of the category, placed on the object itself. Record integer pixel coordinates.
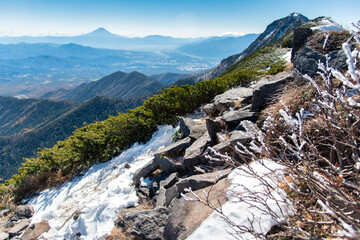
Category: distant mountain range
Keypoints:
(29, 124)
(118, 84)
(32, 66)
(219, 46)
(101, 38)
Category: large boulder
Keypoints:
(300, 37)
(264, 92)
(170, 165)
(147, 224)
(185, 125)
(230, 98)
(306, 60)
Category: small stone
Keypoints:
(127, 166)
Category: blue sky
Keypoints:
(183, 18)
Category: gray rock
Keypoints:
(300, 37)
(226, 100)
(170, 165)
(184, 217)
(193, 153)
(170, 181)
(197, 130)
(233, 118)
(185, 125)
(145, 171)
(35, 230)
(306, 60)
(22, 211)
(19, 227)
(213, 128)
(167, 183)
(194, 182)
(263, 95)
(174, 149)
(239, 137)
(147, 225)
(4, 236)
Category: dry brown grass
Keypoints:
(294, 97)
(39, 181)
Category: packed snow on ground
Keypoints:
(327, 25)
(287, 56)
(245, 184)
(95, 198)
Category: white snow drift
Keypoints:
(88, 205)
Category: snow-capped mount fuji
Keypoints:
(101, 32)
(273, 32)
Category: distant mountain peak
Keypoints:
(100, 32)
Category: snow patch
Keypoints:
(89, 204)
(287, 56)
(246, 184)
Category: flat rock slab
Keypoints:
(174, 149)
(223, 102)
(35, 230)
(233, 118)
(186, 216)
(194, 182)
(16, 230)
(193, 153)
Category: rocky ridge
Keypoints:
(190, 162)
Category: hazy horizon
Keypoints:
(139, 18)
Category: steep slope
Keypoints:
(273, 32)
(23, 115)
(219, 47)
(14, 148)
(119, 84)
